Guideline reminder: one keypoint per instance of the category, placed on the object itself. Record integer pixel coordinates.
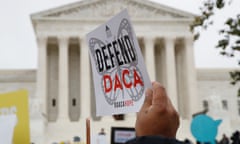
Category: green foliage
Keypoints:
(235, 76)
(229, 44)
(220, 4)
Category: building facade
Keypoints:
(62, 90)
(220, 98)
(64, 75)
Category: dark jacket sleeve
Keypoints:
(153, 140)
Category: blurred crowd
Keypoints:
(233, 139)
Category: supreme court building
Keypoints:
(61, 89)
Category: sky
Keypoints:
(18, 49)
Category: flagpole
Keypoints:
(88, 131)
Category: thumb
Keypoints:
(148, 98)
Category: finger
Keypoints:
(148, 99)
(159, 94)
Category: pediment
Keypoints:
(95, 9)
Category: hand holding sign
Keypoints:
(157, 115)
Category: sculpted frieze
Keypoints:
(108, 8)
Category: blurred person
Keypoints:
(235, 137)
(224, 140)
(76, 140)
(102, 132)
(100, 138)
(187, 141)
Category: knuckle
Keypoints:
(161, 88)
(161, 108)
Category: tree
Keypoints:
(229, 43)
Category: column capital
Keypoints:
(41, 36)
(42, 41)
(170, 38)
(188, 41)
(169, 43)
(63, 40)
(190, 38)
(149, 38)
(82, 37)
(82, 40)
(62, 37)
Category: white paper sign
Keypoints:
(119, 73)
(7, 125)
(123, 136)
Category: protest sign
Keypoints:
(204, 128)
(119, 73)
(14, 118)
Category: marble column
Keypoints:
(171, 80)
(85, 79)
(42, 75)
(191, 82)
(150, 57)
(63, 79)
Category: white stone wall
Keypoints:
(214, 87)
(11, 80)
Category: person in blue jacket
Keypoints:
(157, 121)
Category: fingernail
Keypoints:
(146, 94)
